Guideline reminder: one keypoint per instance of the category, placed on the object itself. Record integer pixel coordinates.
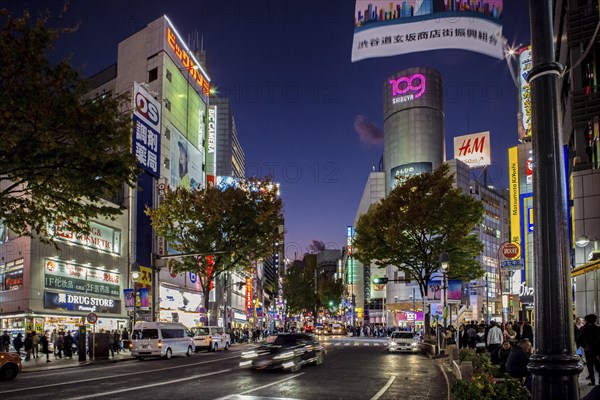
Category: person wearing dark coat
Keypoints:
(587, 340)
(28, 344)
(68, 344)
(18, 343)
(516, 364)
(527, 332)
(46, 345)
(500, 356)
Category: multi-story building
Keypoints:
(578, 48)
(230, 160)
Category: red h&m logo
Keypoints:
(471, 146)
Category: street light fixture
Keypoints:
(445, 264)
(135, 275)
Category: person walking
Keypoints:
(527, 331)
(45, 342)
(117, 340)
(28, 344)
(588, 336)
(111, 343)
(510, 334)
(35, 349)
(494, 337)
(480, 340)
(59, 343)
(68, 343)
(18, 343)
(125, 338)
(5, 342)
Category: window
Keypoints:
(145, 334)
(152, 74)
(167, 104)
(11, 275)
(168, 75)
(167, 134)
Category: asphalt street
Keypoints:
(353, 369)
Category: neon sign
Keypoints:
(407, 88)
(186, 60)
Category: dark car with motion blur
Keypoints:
(288, 352)
(10, 366)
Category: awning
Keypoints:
(585, 268)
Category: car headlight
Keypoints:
(287, 354)
(414, 344)
(249, 354)
(393, 344)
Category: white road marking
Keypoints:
(260, 387)
(357, 344)
(375, 344)
(189, 378)
(346, 344)
(384, 389)
(115, 376)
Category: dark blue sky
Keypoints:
(295, 94)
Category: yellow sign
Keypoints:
(513, 187)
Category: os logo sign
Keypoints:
(407, 88)
(146, 108)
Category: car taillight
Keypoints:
(160, 343)
(210, 338)
(131, 345)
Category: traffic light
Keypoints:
(380, 281)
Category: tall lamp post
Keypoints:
(445, 264)
(135, 274)
(555, 365)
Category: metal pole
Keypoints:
(445, 300)
(487, 299)
(554, 365)
(415, 311)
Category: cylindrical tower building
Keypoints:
(413, 110)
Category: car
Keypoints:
(10, 366)
(161, 339)
(288, 352)
(319, 329)
(337, 329)
(403, 341)
(211, 338)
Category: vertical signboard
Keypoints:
(513, 187)
(248, 296)
(211, 144)
(146, 130)
(525, 65)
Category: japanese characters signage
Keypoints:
(80, 302)
(473, 149)
(180, 51)
(525, 65)
(407, 170)
(101, 237)
(384, 28)
(248, 295)
(72, 277)
(146, 130)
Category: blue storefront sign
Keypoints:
(80, 302)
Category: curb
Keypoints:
(45, 367)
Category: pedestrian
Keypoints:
(527, 331)
(18, 343)
(68, 343)
(510, 334)
(125, 338)
(463, 338)
(5, 342)
(111, 343)
(494, 337)
(28, 344)
(45, 342)
(516, 364)
(117, 340)
(578, 326)
(480, 340)
(35, 349)
(59, 343)
(502, 355)
(472, 336)
(587, 339)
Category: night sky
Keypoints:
(296, 96)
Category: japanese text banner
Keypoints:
(384, 28)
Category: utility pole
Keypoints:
(554, 366)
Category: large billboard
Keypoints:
(473, 149)
(525, 65)
(514, 190)
(186, 163)
(384, 28)
(146, 130)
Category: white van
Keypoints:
(211, 338)
(161, 339)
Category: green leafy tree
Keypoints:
(237, 225)
(61, 152)
(421, 218)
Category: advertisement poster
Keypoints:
(436, 291)
(146, 130)
(186, 163)
(144, 296)
(128, 295)
(384, 28)
(473, 149)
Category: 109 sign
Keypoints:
(407, 88)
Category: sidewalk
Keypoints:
(40, 364)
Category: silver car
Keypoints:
(403, 341)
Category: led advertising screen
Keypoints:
(186, 163)
(384, 28)
(525, 65)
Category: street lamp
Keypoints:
(135, 275)
(445, 264)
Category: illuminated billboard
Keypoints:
(407, 88)
(186, 163)
(473, 149)
(146, 130)
(513, 187)
(384, 28)
(525, 65)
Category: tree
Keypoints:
(61, 153)
(237, 225)
(421, 218)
